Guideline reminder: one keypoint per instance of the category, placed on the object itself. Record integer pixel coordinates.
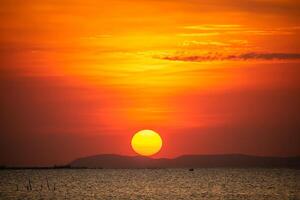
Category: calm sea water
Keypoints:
(141, 184)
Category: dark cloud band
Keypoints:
(244, 56)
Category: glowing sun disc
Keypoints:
(146, 142)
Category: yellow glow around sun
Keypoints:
(146, 142)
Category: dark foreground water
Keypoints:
(141, 184)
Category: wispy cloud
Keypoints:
(204, 43)
(212, 27)
(229, 29)
(233, 57)
(198, 34)
(196, 43)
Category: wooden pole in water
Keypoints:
(29, 184)
(26, 186)
(47, 183)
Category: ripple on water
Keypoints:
(211, 184)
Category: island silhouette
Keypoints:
(114, 161)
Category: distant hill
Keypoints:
(185, 161)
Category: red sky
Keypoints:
(81, 77)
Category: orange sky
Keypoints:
(81, 77)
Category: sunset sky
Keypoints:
(81, 77)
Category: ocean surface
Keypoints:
(229, 184)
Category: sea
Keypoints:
(162, 184)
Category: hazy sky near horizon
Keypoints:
(81, 77)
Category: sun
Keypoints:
(146, 142)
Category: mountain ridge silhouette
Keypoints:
(186, 161)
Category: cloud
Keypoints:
(198, 34)
(214, 27)
(233, 57)
(204, 43)
(205, 30)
